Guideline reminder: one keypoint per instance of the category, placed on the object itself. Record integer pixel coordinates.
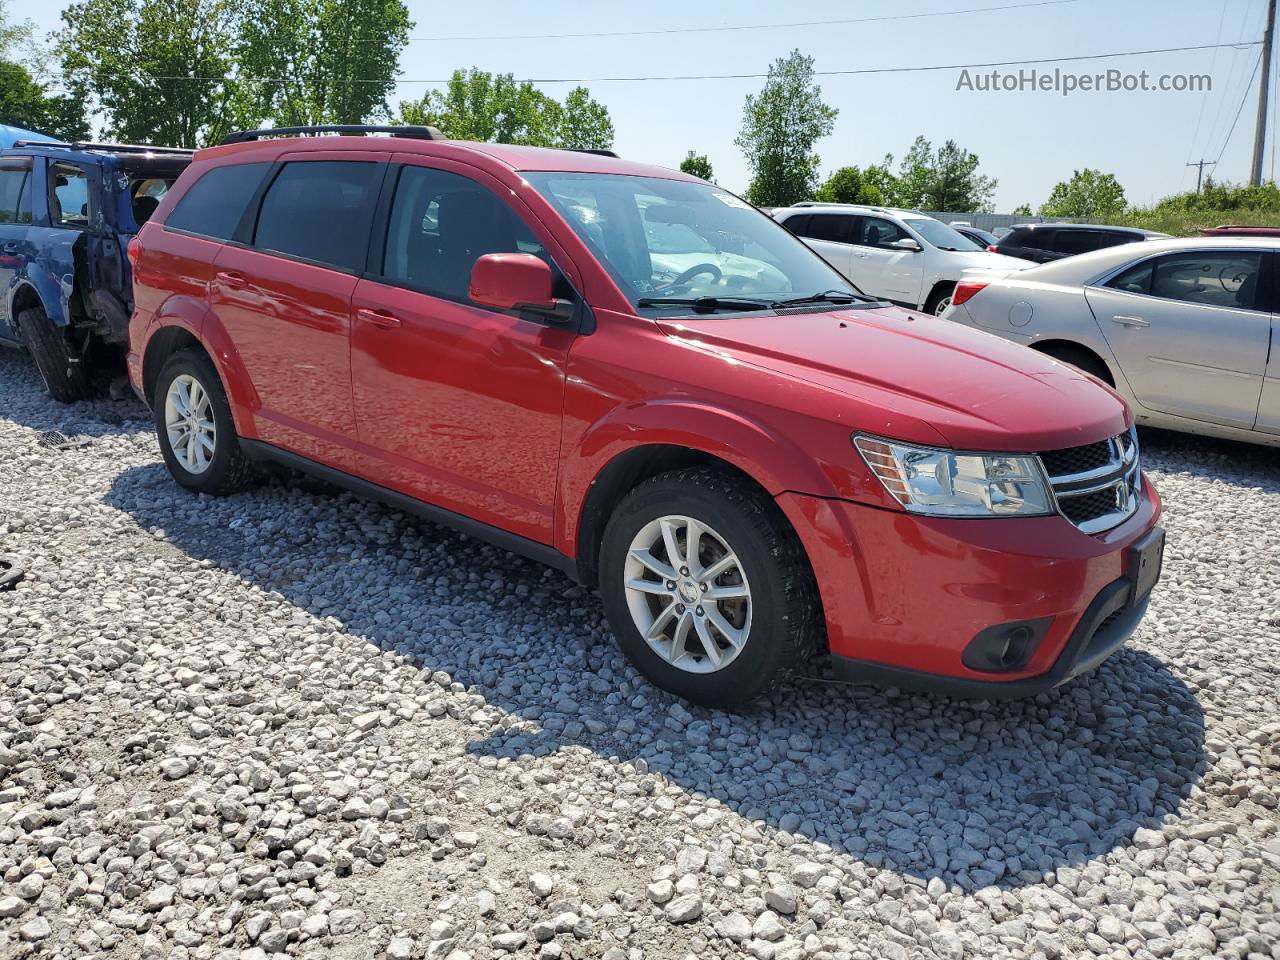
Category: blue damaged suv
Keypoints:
(67, 214)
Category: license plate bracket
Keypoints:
(1146, 561)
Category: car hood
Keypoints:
(907, 376)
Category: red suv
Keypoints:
(637, 377)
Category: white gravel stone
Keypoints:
(386, 731)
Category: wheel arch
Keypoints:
(939, 289)
(27, 295)
(1060, 348)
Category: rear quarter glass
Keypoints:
(213, 205)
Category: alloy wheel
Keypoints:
(688, 594)
(189, 423)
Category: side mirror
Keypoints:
(518, 281)
(906, 243)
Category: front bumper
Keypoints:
(904, 595)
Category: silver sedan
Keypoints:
(1184, 330)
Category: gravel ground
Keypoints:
(296, 722)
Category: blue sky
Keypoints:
(1027, 140)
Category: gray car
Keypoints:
(1185, 330)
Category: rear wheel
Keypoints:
(59, 367)
(706, 587)
(940, 299)
(197, 435)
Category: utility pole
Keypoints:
(1260, 132)
(1200, 170)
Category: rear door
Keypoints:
(831, 237)
(15, 218)
(284, 297)
(1191, 331)
(1269, 401)
(882, 270)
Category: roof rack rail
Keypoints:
(350, 129)
(105, 147)
(598, 153)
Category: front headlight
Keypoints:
(946, 484)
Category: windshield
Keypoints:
(676, 240)
(939, 234)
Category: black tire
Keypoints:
(229, 470)
(60, 369)
(785, 624)
(939, 299)
(1081, 358)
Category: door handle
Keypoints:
(379, 318)
(1130, 321)
(231, 279)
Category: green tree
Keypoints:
(476, 105)
(26, 103)
(320, 61)
(780, 126)
(1089, 194)
(1022, 211)
(155, 69)
(697, 165)
(851, 185)
(943, 180)
(13, 34)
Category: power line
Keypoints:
(754, 76)
(739, 27)
(1248, 88)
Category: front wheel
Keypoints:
(194, 426)
(60, 369)
(707, 588)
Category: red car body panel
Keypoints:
(510, 422)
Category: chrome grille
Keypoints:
(1097, 485)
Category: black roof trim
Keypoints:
(105, 147)
(344, 129)
(598, 153)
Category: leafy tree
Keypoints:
(476, 105)
(1022, 211)
(320, 61)
(26, 103)
(13, 35)
(851, 185)
(780, 126)
(943, 180)
(156, 69)
(697, 165)
(1088, 194)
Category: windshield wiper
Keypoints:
(708, 304)
(828, 296)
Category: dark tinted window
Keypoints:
(15, 195)
(797, 224)
(1116, 237)
(1072, 242)
(320, 211)
(1212, 278)
(1023, 237)
(1136, 279)
(214, 204)
(877, 232)
(836, 227)
(440, 224)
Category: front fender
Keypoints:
(769, 457)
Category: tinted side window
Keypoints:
(320, 211)
(1076, 241)
(876, 232)
(440, 224)
(1116, 238)
(835, 227)
(1032, 239)
(15, 195)
(1212, 278)
(1136, 279)
(214, 204)
(68, 195)
(797, 224)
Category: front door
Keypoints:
(456, 404)
(1191, 332)
(889, 272)
(285, 300)
(15, 218)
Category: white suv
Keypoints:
(898, 255)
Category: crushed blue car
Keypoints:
(67, 214)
